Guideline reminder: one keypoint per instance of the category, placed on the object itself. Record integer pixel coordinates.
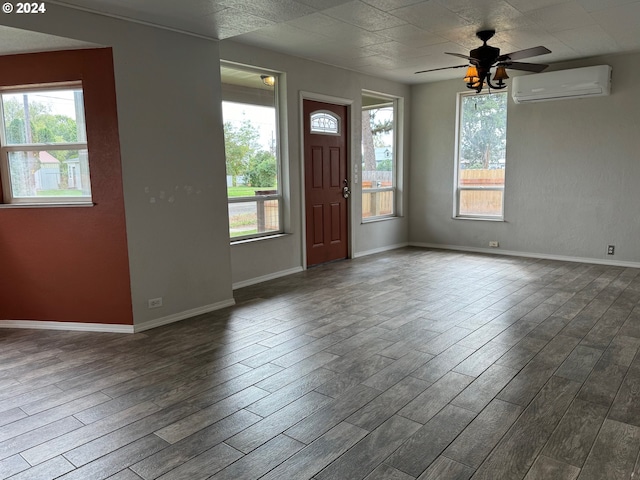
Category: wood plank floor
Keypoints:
(412, 364)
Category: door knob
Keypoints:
(346, 191)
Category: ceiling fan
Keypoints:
(485, 57)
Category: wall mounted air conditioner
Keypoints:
(563, 84)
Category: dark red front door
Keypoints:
(325, 163)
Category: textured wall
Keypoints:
(172, 151)
(266, 257)
(572, 172)
(70, 263)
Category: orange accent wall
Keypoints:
(70, 263)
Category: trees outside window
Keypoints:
(241, 144)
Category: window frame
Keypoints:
(394, 102)
(8, 199)
(457, 189)
(279, 196)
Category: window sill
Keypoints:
(482, 219)
(46, 205)
(258, 239)
(380, 219)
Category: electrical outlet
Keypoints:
(155, 302)
(611, 250)
(494, 244)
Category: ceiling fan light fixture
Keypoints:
(268, 80)
(471, 76)
(501, 74)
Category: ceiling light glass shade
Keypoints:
(501, 74)
(472, 75)
(268, 80)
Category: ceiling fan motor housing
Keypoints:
(485, 55)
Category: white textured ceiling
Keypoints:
(395, 38)
(15, 40)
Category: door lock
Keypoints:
(346, 191)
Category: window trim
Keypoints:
(457, 188)
(8, 199)
(394, 102)
(279, 196)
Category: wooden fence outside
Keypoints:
(481, 177)
(481, 202)
(376, 203)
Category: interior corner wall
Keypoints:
(172, 151)
(70, 263)
(572, 172)
(256, 260)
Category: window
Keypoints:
(325, 123)
(44, 146)
(251, 139)
(379, 153)
(481, 155)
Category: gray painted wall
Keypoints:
(170, 121)
(572, 175)
(264, 258)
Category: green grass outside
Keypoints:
(59, 193)
(243, 233)
(245, 191)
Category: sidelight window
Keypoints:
(379, 156)
(252, 149)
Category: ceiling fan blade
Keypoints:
(442, 68)
(466, 57)
(527, 67)
(527, 53)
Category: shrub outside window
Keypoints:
(250, 114)
(481, 156)
(44, 146)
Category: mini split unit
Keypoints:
(563, 84)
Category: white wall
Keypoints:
(260, 259)
(168, 93)
(572, 175)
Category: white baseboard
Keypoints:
(116, 328)
(380, 250)
(545, 256)
(176, 317)
(264, 278)
(69, 326)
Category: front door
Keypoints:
(326, 182)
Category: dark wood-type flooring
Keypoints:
(412, 364)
